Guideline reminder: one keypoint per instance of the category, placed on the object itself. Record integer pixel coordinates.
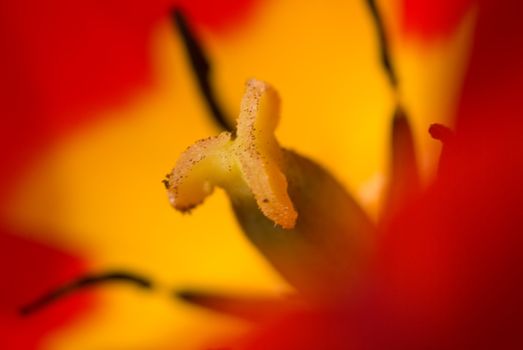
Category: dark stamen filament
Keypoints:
(201, 67)
(386, 59)
(81, 283)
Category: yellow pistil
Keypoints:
(295, 213)
(249, 162)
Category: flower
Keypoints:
(90, 133)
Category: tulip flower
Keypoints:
(100, 98)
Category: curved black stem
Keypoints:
(201, 67)
(386, 59)
(81, 283)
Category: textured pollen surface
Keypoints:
(260, 155)
(190, 181)
(254, 155)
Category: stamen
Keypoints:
(446, 136)
(386, 59)
(441, 133)
(254, 308)
(81, 283)
(404, 178)
(201, 67)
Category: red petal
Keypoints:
(27, 270)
